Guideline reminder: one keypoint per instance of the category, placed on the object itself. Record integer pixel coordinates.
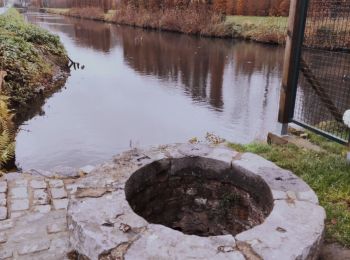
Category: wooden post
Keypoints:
(295, 36)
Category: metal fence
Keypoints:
(317, 89)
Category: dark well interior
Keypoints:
(199, 196)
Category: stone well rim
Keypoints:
(294, 228)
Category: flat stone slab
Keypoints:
(91, 216)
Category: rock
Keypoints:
(60, 203)
(3, 213)
(56, 227)
(65, 172)
(90, 192)
(40, 197)
(178, 246)
(19, 193)
(194, 149)
(3, 237)
(6, 224)
(3, 201)
(34, 245)
(87, 169)
(297, 241)
(3, 186)
(42, 208)
(13, 176)
(38, 184)
(19, 204)
(5, 252)
(58, 193)
(56, 183)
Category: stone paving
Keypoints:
(46, 215)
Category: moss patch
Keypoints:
(31, 57)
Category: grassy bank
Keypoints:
(327, 172)
(32, 58)
(261, 29)
(35, 64)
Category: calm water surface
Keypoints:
(146, 88)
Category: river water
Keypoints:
(143, 88)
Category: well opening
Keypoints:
(199, 196)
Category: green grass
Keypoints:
(28, 54)
(258, 28)
(327, 172)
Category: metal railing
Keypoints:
(316, 82)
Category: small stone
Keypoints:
(58, 193)
(124, 228)
(38, 184)
(6, 224)
(56, 183)
(3, 213)
(33, 246)
(200, 201)
(19, 193)
(2, 199)
(40, 197)
(5, 252)
(42, 208)
(3, 237)
(56, 227)
(60, 203)
(19, 204)
(3, 186)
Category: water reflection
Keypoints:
(151, 88)
(198, 63)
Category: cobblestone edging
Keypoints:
(45, 217)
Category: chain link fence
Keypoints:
(323, 89)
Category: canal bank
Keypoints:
(270, 30)
(33, 65)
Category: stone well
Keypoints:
(172, 202)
